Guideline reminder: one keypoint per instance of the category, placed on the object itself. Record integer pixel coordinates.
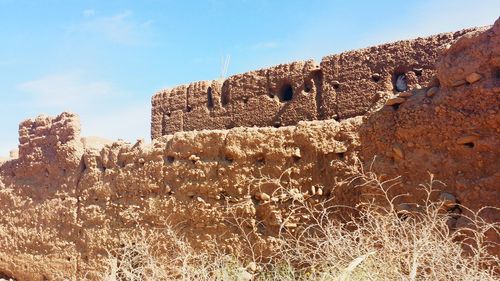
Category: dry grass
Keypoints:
(380, 241)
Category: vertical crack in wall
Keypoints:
(317, 77)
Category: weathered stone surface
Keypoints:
(473, 78)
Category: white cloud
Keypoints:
(120, 28)
(88, 12)
(103, 112)
(65, 90)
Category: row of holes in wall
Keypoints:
(259, 161)
(285, 95)
(286, 91)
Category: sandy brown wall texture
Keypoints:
(342, 86)
(65, 203)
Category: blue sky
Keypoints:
(104, 59)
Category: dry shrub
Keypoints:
(379, 241)
(385, 242)
(163, 254)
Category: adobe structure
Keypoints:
(342, 86)
(404, 109)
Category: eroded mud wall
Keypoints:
(64, 204)
(342, 86)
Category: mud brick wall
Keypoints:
(66, 205)
(342, 86)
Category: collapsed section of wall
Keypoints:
(343, 86)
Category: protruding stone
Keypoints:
(262, 196)
(296, 153)
(473, 77)
(458, 83)
(467, 139)
(319, 191)
(432, 91)
(405, 94)
(398, 151)
(395, 101)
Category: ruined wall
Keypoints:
(342, 86)
(65, 203)
(67, 215)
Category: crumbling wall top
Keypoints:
(342, 86)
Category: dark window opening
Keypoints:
(224, 99)
(341, 155)
(229, 159)
(376, 77)
(336, 84)
(286, 93)
(169, 159)
(188, 108)
(469, 144)
(83, 167)
(245, 100)
(277, 124)
(210, 99)
(418, 71)
(261, 161)
(396, 106)
(296, 158)
(307, 87)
